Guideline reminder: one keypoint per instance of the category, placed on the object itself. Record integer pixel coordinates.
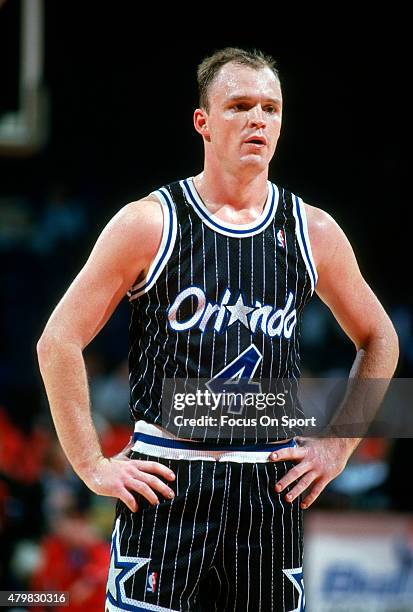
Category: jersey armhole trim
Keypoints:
(165, 249)
(304, 239)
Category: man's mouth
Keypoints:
(258, 141)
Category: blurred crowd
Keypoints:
(54, 533)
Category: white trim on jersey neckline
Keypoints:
(232, 229)
(170, 223)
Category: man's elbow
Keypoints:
(392, 341)
(54, 341)
(387, 342)
(395, 347)
(45, 347)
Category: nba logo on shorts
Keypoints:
(281, 238)
(151, 582)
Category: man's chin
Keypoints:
(254, 160)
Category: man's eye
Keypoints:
(240, 107)
(270, 109)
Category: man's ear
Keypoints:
(201, 122)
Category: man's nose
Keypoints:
(256, 118)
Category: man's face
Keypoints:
(244, 104)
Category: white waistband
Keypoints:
(166, 452)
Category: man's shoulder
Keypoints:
(136, 228)
(323, 232)
(143, 215)
(148, 205)
(317, 218)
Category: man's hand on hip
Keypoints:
(119, 476)
(318, 462)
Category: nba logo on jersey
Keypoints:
(281, 238)
(151, 582)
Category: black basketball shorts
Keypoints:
(226, 542)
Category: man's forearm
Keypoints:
(64, 375)
(378, 358)
(369, 378)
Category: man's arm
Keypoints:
(125, 248)
(343, 289)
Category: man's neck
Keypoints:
(240, 193)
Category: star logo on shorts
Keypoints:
(295, 574)
(121, 568)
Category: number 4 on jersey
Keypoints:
(235, 378)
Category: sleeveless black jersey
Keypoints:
(219, 300)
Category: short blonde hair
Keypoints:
(211, 65)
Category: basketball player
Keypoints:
(218, 268)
